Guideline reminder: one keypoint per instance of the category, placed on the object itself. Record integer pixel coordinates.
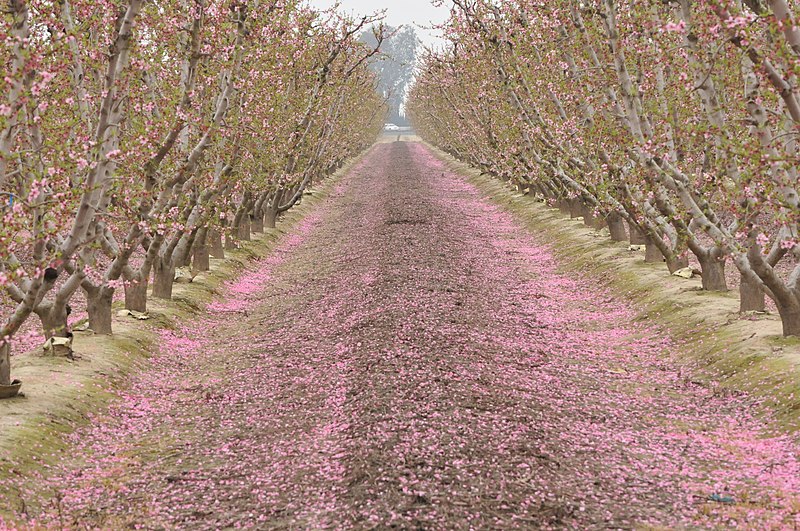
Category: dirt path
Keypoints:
(409, 358)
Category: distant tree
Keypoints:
(395, 67)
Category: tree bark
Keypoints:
(243, 228)
(790, 318)
(636, 236)
(589, 218)
(713, 273)
(163, 278)
(616, 226)
(652, 254)
(751, 297)
(184, 261)
(587, 212)
(257, 222)
(575, 207)
(136, 295)
(230, 241)
(54, 320)
(563, 206)
(201, 257)
(214, 240)
(98, 306)
(270, 216)
(673, 264)
(5, 363)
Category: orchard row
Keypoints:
(678, 119)
(135, 135)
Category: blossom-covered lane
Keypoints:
(410, 357)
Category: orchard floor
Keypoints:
(410, 358)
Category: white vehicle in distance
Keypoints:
(390, 127)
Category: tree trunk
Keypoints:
(270, 216)
(616, 226)
(590, 219)
(230, 241)
(163, 278)
(214, 241)
(243, 229)
(257, 222)
(675, 262)
(201, 257)
(652, 254)
(98, 306)
(563, 206)
(587, 212)
(636, 236)
(751, 297)
(184, 261)
(575, 207)
(713, 273)
(790, 318)
(54, 321)
(5, 363)
(136, 295)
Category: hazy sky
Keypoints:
(416, 12)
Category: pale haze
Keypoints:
(418, 13)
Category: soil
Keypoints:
(410, 357)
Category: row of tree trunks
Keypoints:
(196, 252)
(751, 297)
(208, 243)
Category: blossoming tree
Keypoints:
(678, 117)
(134, 136)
